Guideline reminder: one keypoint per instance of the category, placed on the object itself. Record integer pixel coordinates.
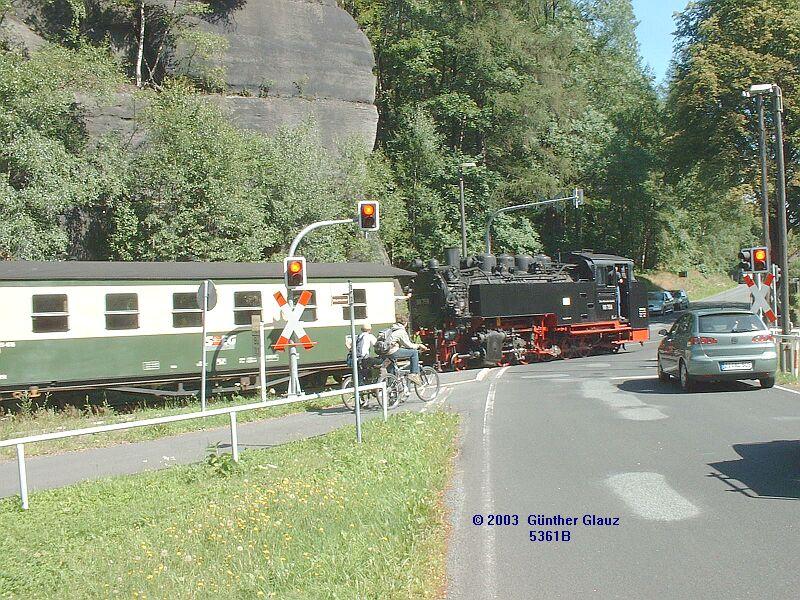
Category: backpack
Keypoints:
(384, 342)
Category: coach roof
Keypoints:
(21, 270)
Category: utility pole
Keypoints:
(461, 168)
(783, 254)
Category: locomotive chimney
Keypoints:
(452, 256)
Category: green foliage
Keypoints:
(201, 189)
(545, 98)
(724, 47)
(220, 463)
(45, 173)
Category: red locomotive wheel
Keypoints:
(583, 348)
(457, 363)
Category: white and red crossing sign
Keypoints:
(293, 326)
(761, 296)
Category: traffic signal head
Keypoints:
(368, 218)
(746, 259)
(760, 260)
(294, 271)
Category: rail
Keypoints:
(231, 410)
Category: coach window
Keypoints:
(50, 313)
(310, 312)
(122, 311)
(246, 305)
(359, 305)
(185, 312)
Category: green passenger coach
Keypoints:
(76, 325)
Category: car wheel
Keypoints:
(662, 376)
(686, 381)
(767, 382)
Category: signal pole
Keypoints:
(783, 254)
(762, 150)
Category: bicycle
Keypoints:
(398, 387)
(367, 374)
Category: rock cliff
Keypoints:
(286, 61)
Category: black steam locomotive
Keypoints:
(490, 310)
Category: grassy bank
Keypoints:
(32, 421)
(697, 285)
(319, 518)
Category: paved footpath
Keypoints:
(46, 472)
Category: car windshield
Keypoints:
(730, 323)
(655, 296)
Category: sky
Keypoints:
(656, 26)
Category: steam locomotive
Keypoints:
(490, 310)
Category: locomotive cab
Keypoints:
(619, 295)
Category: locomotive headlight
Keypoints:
(450, 335)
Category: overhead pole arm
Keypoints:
(299, 237)
(576, 197)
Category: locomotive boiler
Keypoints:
(490, 310)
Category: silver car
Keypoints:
(660, 303)
(717, 345)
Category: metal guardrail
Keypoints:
(231, 410)
(788, 348)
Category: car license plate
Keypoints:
(736, 366)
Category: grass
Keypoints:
(697, 285)
(318, 518)
(30, 420)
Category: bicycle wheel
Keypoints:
(394, 391)
(349, 399)
(429, 389)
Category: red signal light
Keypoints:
(294, 271)
(368, 218)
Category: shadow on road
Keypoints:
(766, 470)
(654, 386)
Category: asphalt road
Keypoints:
(703, 486)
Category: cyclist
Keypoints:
(364, 342)
(403, 347)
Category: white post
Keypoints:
(262, 362)
(23, 478)
(354, 361)
(203, 346)
(234, 438)
(758, 287)
(385, 394)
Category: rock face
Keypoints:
(296, 48)
(287, 61)
(19, 35)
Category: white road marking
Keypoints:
(443, 395)
(488, 495)
(651, 497)
(627, 405)
(631, 377)
(481, 375)
(550, 376)
(785, 389)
